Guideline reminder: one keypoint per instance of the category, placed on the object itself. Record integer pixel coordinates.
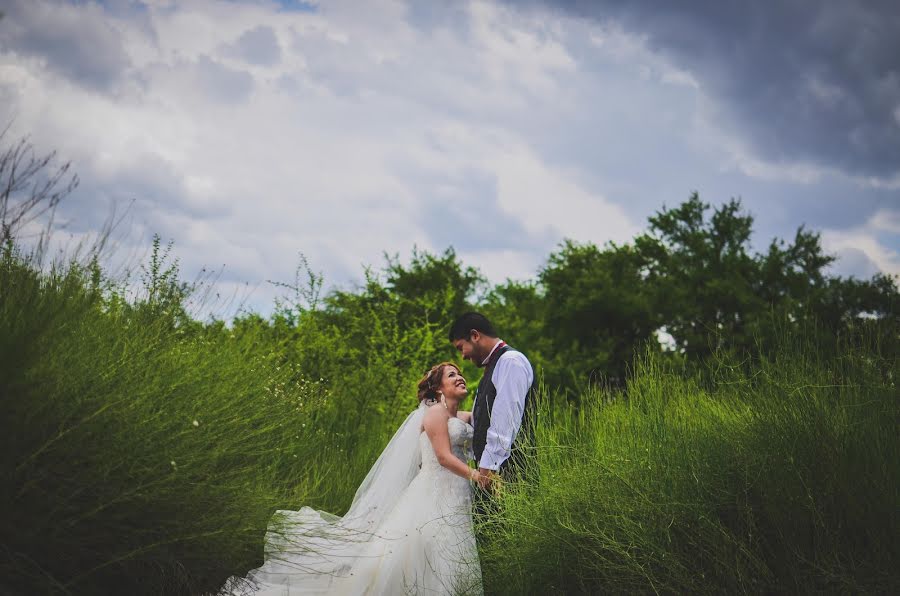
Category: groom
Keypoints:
(504, 403)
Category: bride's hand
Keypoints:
(481, 479)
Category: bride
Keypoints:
(409, 527)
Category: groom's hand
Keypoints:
(486, 478)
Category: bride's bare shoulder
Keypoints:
(435, 415)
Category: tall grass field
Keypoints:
(779, 479)
(143, 452)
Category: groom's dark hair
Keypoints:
(471, 321)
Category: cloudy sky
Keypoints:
(250, 132)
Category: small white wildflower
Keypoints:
(195, 423)
(174, 465)
(303, 425)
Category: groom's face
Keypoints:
(464, 347)
(468, 349)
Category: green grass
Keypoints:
(781, 477)
(138, 455)
(144, 452)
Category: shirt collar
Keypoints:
(499, 343)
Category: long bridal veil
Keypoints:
(309, 551)
(393, 471)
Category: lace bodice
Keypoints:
(460, 444)
(444, 482)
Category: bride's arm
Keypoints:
(436, 428)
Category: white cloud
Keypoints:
(886, 221)
(550, 203)
(259, 46)
(248, 133)
(863, 242)
(522, 55)
(547, 201)
(501, 265)
(241, 170)
(74, 41)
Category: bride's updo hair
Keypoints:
(430, 384)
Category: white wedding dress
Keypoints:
(408, 531)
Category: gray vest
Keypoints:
(481, 413)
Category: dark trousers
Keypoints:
(486, 506)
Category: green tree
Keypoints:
(693, 274)
(433, 287)
(597, 309)
(703, 279)
(713, 293)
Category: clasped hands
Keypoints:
(486, 479)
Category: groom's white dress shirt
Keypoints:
(512, 378)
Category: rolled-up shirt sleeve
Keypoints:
(512, 378)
